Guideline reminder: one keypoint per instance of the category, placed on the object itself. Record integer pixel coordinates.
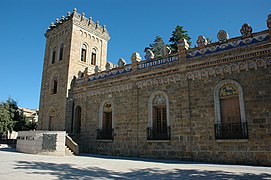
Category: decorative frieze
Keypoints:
(159, 81)
(228, 46)
(146, 64)
(106, 90)
(126, 87)
(110, 73)
(226, 60)
(229, 68)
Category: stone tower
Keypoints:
(74, 44)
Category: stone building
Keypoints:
(30, 114)
(208, 103)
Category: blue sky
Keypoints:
(132, 24)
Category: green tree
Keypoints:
(6, 121)
(12, 118)
(16, 114)
(178, 34)
(157, 47)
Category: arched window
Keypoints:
(93, 56)
(52, 118)
(84, 53)
(158, 117)
(106, 130)
(54, 84)
(53, 60)
(229, 110)
(61, 49)
(77, 124)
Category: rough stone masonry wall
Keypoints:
(256, 86)
(49, 101)
(192, 117)
(191, 104)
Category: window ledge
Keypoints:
(104, 140)
(160, 141)
(230, 140)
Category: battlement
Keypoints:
(204, 54)
(81, 21)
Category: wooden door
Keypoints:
(230, 110)
(107, 121)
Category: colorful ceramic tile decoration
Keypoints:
(228, 46)
(113, 72)
(228, 90)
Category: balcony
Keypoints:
(105, 134)
(231, 131)
(161, 134)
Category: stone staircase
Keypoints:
(68, 152)
(72, 147)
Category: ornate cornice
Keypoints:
(235, 67)
(173, 78)
(226, 60)
(105, 90)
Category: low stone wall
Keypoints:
(41, 142)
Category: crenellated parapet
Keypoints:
(190, 59)
(83, 22)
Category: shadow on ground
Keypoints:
(67, 171)
(8, 149)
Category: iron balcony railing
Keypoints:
(231, 131)
(158, 134)
(105, 134)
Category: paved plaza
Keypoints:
(15, 165)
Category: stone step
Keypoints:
(68, 152)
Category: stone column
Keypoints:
(135, 60)
(183, 47)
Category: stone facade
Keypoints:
(72, 31)
(189, 84)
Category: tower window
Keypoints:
(54, 56)
(54, 84)
(84, 53)
(93, 57)
(61, 52)
(54, 90)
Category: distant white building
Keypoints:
(30, 114)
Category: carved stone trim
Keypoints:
(226, 60)
(106, 90)
(159, 81)
(229, 68)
